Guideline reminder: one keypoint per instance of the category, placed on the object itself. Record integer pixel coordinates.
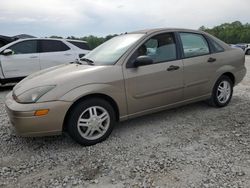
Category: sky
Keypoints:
(79, 18)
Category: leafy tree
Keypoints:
(232, 33)
(93, 41)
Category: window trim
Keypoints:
(40, 46)
(182, 49)
(37, 46)
(213, 50)
(177, 47)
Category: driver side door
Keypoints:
(157, 85)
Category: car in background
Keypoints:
(26, 56)
(247, 50)
(234, 46)
(245, 47)
(130, 75)
(6, 39)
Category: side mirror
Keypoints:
(143, 60)
(8, 52)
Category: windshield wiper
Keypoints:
(76, 62)
(89, 61)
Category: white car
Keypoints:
(26, 56)
(247, 49)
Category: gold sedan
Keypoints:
(128, 76)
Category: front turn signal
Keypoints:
(42, 112)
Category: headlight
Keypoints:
(32, 95)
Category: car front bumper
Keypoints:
(27, 124)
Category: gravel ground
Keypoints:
(191, 146)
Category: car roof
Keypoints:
(160, 30)
(73, 40)
(149, 31)
(60, 39)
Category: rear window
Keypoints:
(53, 46)
(216, 47)
(194, 44)
(81, 45)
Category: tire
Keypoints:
(216, 100)
(248, 52)
(91, 121)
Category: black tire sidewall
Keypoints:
(248, 52)
(77, 111)
(214, 96)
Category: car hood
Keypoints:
(67, 77)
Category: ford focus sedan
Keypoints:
(128, 76)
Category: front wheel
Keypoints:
(248, 52)
(91, 121)
(222, 92)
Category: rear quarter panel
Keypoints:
(229, 61)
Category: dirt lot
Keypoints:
(192, 146)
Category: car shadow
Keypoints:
(159, 116)
(187, 109)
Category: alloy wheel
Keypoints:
(93, 123)
(223, 91)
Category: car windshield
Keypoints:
(109, 52)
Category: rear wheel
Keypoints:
(91, 121)
(248, 52)
(222, 92)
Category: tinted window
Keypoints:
(53, 46)
(81, 45)
(24, 47)
(160, 48)
(216, 47)
(194, 44)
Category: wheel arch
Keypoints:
(94, 95)
(230, 75)
(226, 70)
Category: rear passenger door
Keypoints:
(54, 52)
(198, 65)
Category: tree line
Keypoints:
(231, 33)
(93, 41)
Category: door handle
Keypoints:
(172, 68)
(67, 54)
(33, 57)
(211, 60)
